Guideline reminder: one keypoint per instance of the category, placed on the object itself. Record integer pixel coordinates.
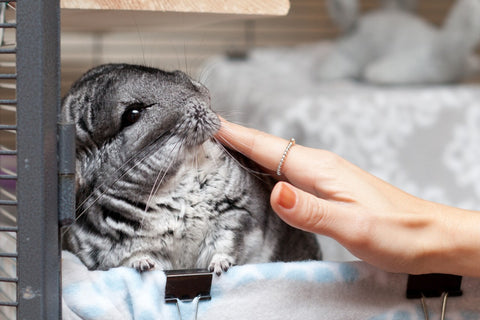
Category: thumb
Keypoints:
(301, 209)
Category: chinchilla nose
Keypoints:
(199, 111)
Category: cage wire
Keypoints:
(8, 158)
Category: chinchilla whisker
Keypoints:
(196, 165)
(229, 114)
(158, 180)
(100, 195)
(227, 133)
(147, 150)
(211, 155)
(125, 164)
(206, 72)
(79, 215)
(256, 173)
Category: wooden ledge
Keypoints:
(121, 15)
(257, 7)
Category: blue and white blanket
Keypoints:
(299, 290)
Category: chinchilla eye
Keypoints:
(132, 114)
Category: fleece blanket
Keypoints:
(298, 290)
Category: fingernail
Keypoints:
(287, 197)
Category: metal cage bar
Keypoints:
(38, 101)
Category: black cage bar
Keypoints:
(38, 100)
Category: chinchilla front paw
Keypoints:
(220, 263)
(142, 263)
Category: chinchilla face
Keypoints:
(138, 118)
(135, 105)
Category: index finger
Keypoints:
(267, 150)
(263, 148)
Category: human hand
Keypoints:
(375, 221)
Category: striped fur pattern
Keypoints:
(154, 190)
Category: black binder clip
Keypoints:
(188, 285)
(434, 285)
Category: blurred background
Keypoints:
(187, 48)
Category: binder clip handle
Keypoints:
(433, 285)
(190, 285)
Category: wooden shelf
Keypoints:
(268, 7)
(104, 15)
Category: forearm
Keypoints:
(457, 246)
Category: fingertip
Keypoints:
(284, 196)
(234, 136)
(284, 200)
(263, 148)
(224, 124)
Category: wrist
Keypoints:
(451, 241)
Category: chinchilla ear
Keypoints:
(344, 13)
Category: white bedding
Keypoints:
(301, 290)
